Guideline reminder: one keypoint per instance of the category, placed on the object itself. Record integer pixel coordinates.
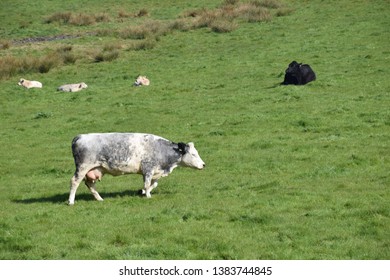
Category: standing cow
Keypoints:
(124, 153)
(298, 74)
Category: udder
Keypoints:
(93, 175)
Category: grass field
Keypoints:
(293, 172)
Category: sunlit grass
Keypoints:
(293, 172)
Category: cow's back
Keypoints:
(308, 74)
(114, 149)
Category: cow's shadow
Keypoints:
(63, 198)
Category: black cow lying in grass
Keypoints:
(298, 74)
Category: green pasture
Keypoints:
(292, 172)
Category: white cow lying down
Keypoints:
(29, 84)
(73, 87)
(141, 81)
(117, 154)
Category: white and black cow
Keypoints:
(141, 81)
(29, 84)
(72, 87)
(152, 156)
(298, 74)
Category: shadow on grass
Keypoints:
(62, 198)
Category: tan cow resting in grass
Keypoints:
(73, 87)
(29, 84)
(141, 81)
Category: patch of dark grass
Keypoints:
(150, 28)
(10, 65)
(66, 55)
(271, 4)
(222, 19)
(112, 46)
(230, 2)
(156, 28)
(42, 115)
(106, 56)
(223, 26)
(123, 14)
(258, 14)
(250, 219)
(180, 25)
(120, 241)
(44, 64)
(284, 11)
(102, 17)
(140, 13)
(82, 20)
(142, 45)
(24, 24)
(5, 44)
(134, 33)
(60, 17)
(79, 19)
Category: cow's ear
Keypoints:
(182, 147)
(80, 86)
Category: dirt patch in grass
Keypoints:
(45, 39)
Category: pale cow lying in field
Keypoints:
(152, 156)
(142, 81)
(73, 87)
(29, 84)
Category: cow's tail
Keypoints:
(75, 149)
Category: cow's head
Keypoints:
(83, 85)
(293, 67)
(191, 156)
(21, 81)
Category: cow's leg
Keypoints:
(92, 187)
(147, 185)
(153, 185)
(75, 182)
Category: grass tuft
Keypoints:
(142, 13)
(10, 65)
(223, 26)
(140, 45)
(223, 19)
(107, 56)
(80, 19)
(5, 44)
(66, 54)
(134, 33)
(42, 115)
(60, 17)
